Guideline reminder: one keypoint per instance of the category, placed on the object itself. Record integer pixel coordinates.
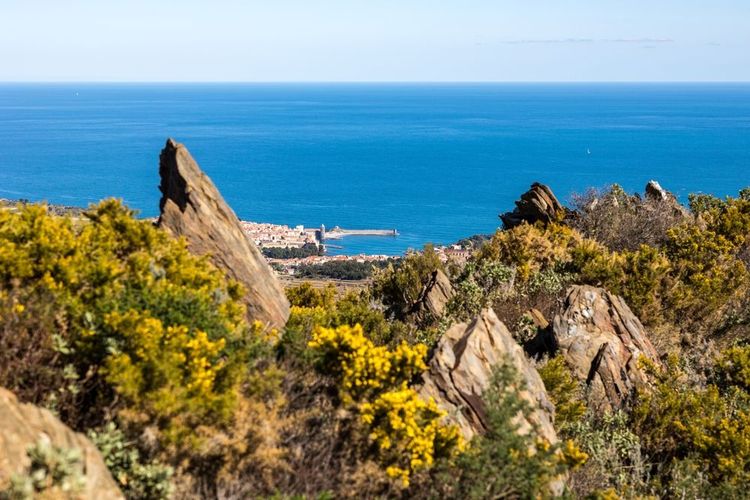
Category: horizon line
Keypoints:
(370, 82)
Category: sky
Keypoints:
(374, 40)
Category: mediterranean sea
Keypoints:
(437, 162)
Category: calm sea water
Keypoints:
(436, 162)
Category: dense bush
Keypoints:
(399, 287)
(138, 480)
(708, 426)
(340, 270)
(624, 222)
(565, 393)
(144, 328)
(306, 250)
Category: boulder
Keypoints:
(23, 426)
(461, 369)
(537, 204)
(656, 192)
(602, 342)
(433, 298)
(192, 207)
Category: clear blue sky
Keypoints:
(375, 40)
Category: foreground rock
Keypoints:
(461, 368)
(433, 299)
(192, 207)
(538, 204)
(602, 342)
(24, 425)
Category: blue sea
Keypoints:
(437, 162)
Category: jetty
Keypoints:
(338, 233)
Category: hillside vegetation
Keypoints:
(117, 328)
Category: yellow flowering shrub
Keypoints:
(406, 431)
(134, 322)
(532, 248)
(708, 425)
(361, 367)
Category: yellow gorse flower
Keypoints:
(407, 431)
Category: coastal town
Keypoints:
(274, 236)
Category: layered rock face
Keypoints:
(602, 341)
(25, 425)
(434, 298)
(537, 204)
(461, 369)
(192, 207)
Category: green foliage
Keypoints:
(137, 480)
(480, 284)
(306, 250)
(708, 425)
(616, 462)
(506, 462)
(54, 472)
(700, 203)
(306, 295)
(340, 270)
(399, 287)
(733, 368)
(565, 393)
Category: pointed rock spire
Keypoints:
(192, 207)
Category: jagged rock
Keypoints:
(602, 342)
(192, 207)
(24, 425)
(461, 368)
(654, 190)
(536, 204)
(433, 298)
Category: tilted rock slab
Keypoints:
(602, 342)
(24, 425)
(434, 298)
(537, 204)
(192, 207)
(461, 369)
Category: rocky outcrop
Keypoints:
(24, 425)
(656, 192)
(537, 204)
(602, 342)
(192, 207)
(665, 199)
(461, 368)
(433, 298)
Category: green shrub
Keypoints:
(54, 472)
(565, 393)
(506, 462)
(398, 287)
(707, 425)
(137, 480)
(616, 462)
